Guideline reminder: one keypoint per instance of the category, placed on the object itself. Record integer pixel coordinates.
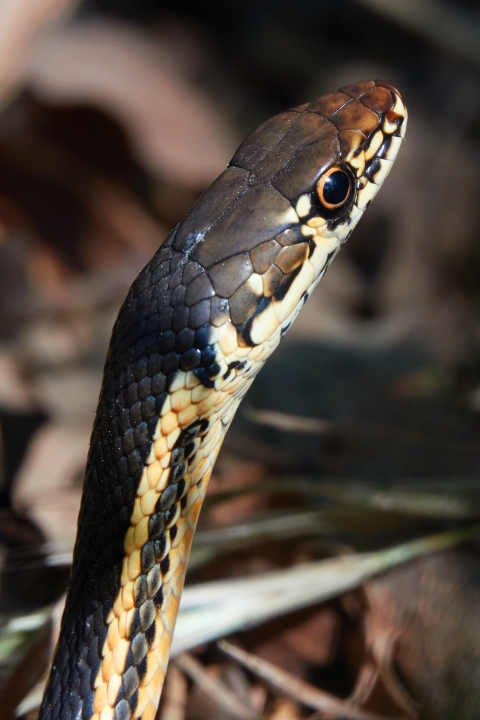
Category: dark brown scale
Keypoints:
(188, 435)
(199, 314)
(329, 104)
(140, 590)
(218, 197)
(181, 313)
(242, 305)
(190, 449)
(353, 116)
(177, 472)
(204, 374)
(264, 255)
(209, 355)
(166, 500)
(228, 275)
(142, 669)
(160, 547)
(148, 408)
(133, 701)
(170, 363)
(263, 140)
(181, 489)
(147, 614)
(219, 312)
(184, 340)
(190, 359)
(271, 280)
(191, 270)
(291, 257)
(138, 646)
(153, 581)
(150, 634)
(378, 99)
(308, 129)
(285, 284)
(306, 167)
(148, 556)
(177, 456)
(202, 337)
(130, 682)
(290, 237)
(199, 289)
(158, 597)
(357, 89)
(253, 219)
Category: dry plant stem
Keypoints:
(214, 688)
(293, 687)
(174, 699)
(289, 423)
(401, 499)
(383, 654)
(366, 681)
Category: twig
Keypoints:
(174, 698)
(214, 688)
(294, 687)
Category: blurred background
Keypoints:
(363, 431)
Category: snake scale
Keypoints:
(196, 327)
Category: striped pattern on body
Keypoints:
(198, 324)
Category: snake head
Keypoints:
(267, 229)
(329, 157)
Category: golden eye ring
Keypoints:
(334, 188)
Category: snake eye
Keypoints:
(334, 188)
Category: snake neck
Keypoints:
(154, 444)
(157, 545)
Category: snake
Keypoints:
(197, 325)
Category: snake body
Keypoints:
(198, 324)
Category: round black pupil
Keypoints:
(336, 187)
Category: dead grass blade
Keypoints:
(215, 609)
(279, 526)
(287, 422)
(457, 498)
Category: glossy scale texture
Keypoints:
(198, 323)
